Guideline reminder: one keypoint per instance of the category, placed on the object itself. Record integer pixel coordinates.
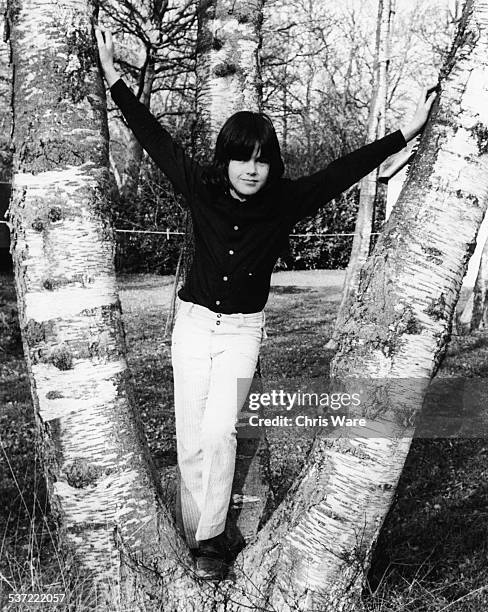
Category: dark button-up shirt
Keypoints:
(238, 243)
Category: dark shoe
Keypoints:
(217, 547)
(209, 568)
(213, 557)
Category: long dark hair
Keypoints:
(236, 140)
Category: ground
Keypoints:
(431, 555)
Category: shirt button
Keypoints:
(250, 273)
(225, 278)
(217, 302)
(218, 323)
(236, 227)
(219, 315)
(231, 252)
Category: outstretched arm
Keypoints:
(170, 157)
(312, 192)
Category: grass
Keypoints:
(431, 554)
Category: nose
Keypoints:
(251, 166)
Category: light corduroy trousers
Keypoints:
(214, 357)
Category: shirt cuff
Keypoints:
(117, 86)
(402, 143)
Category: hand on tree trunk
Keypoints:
(421, 113)
(106, 52)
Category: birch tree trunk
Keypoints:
(368, 185)
(314, 552)
(101, 484)
(228, 69)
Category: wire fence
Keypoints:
(157, 250)
(144, 250)
(168, 232)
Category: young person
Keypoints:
(242, 211)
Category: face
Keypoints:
(247, 177)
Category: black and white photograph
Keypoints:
(243, 305)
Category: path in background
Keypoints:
(150, 290)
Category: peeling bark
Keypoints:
(99, 476)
